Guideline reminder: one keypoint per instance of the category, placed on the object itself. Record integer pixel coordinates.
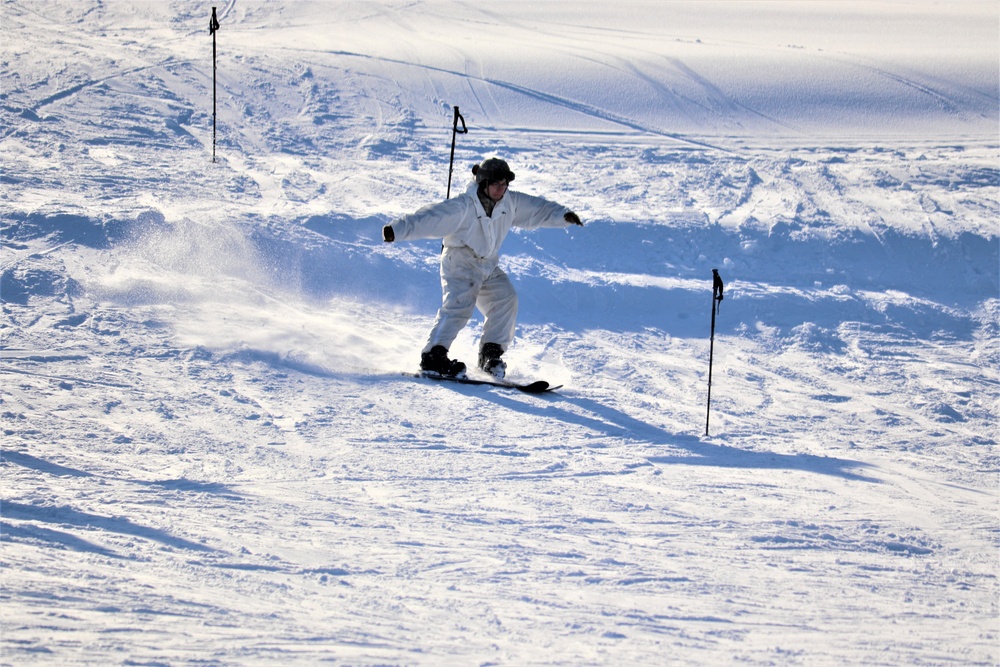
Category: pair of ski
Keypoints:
(537, 387)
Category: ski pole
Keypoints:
(213, 27)
(454, 131)
(717, 288)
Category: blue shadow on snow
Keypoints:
(614, 423)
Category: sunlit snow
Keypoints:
(213, 454)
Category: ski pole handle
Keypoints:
(717, 288)
(458, 117)
(454, 131)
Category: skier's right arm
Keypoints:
(434, 221)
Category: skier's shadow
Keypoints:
(613, 423)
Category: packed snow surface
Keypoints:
(212, 453)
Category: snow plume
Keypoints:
(175, 262)
(226, 288)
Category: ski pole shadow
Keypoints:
(613, 423)
(65, 516)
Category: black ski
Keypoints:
(538, 387)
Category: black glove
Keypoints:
(573, 218)
(387, 234)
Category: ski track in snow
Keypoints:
(211, 454)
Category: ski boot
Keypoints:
(490, 361)
(437, 361)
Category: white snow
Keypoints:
(211, 455)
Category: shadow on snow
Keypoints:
(612, 423)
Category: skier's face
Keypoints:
(495, 191)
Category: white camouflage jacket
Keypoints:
(462, 221)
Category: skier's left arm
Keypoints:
(531, 212)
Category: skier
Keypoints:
(473, 226)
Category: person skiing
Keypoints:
(473, 226)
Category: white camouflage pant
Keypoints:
(467, 282)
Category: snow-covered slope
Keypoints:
(211, 454)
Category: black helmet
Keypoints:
(492, 170)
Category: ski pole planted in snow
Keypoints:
(213, 27)
(716, 299)
(454, 131)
